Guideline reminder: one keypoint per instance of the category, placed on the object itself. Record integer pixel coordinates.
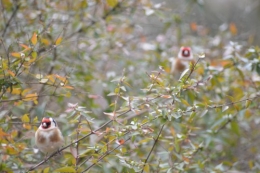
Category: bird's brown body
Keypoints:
(48, 137)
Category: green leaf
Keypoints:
(248, 102)
(185, 102)
(65, 169)
(235, 127)
(25, 118)
(184, 73)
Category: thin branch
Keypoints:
(155, 79)
(10, 19)
(192, 69)
(156, 140)
(106, 154)
(44, 95)
(118, 93)
(77, 144)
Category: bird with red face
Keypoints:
(48, 137)
(182, 62)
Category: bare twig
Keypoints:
(93, 22)
(155, 79)
(156, 140)
(77, 144)
(192, 69)
(10, 19)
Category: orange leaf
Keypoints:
(34, 39)
(27, 126)
(63, 79)
(166, 96)
(11, 73)
(58, 41)
(233, 28)
(45, 41)
(16, 91)
(30, 97)
(69, 87)
(2, 133)
(16, 54)
(120, 141)
(25, 46)
(193, 26)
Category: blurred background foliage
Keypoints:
(93, 62)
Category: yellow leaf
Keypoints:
(45, 41)
(35, 120)
(46, 170)
(10, 150)
(25, 91)
(34, 54)
(58, 41)
(112, 3)
(27, 126)
(35, 102)
(34, 39)
(65, 169)
(30, 97)
(16, 54)
(147, 168)
(25, 118)
(51, 78)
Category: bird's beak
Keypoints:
(44, 124)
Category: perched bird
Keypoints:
(185, 57)
(48, 137)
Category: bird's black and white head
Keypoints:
(48, 123)
(185, 53)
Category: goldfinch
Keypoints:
(48, 137)
(183, 60)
